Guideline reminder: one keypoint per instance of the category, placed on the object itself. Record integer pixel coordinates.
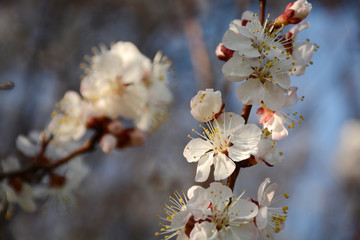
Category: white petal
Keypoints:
(268, 195)
(196, 149)
(303, 52)
(235, 41)
(250, 92)
(262, 188)
(261, 218)
(219, 195)
(236, 69)
(242, 210)
(26, 146)
(230, 121)
(203, 168)
(224, 167)
(283, 79)
(274, 97)
(245, 141)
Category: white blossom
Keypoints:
(69, 121)
(205, 105)
(159, 96)
(269, 220)
(113, 83)
(15, 190)
(223, 142)
(276, 121)
(301, 52)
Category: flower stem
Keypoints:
(36, 167)
(262, 4)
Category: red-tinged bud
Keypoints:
(98, 123)
(115, 127)
(57, 181)
(137, 137)
(108, 142)
(15, 183)
(223, 53)
(294, 13)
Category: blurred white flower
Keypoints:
(205, 105)
(15, 190)
(69, 121)
(61, 187)
(348, 152)
(159, 96)
(224, 141)
(113, 82)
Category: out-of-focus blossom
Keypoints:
(113, 82)
(69, 121)
(15, 190)
(348, 152)
(159, 96)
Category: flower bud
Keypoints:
(137, 137)
(115, 127)
(205, 105)
(223, 53)
(108, 142)
(294, 13)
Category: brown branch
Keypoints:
(37, 165)
(262, 4)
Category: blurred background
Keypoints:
(42, 43)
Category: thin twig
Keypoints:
(37, 165)
(262, 11)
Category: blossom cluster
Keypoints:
(215, 213)
(120, 82)
(262, 56)
(122, 95)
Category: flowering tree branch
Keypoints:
(38, 165)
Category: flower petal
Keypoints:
(274, 97)
(203, 168)
(236, 69)
(196, 149)
(224, 167)
(250, 92)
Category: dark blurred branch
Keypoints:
(7, 86)
(38, 165)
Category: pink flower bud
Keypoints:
(205, 105)
(223, 53)
(294, 13)
(115, 127)
(137, 137)
(108, 142)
